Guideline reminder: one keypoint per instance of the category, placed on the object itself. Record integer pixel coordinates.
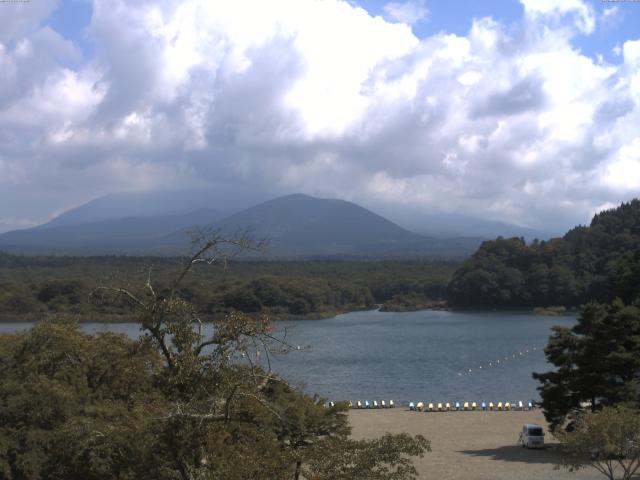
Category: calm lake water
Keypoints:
(410, 356)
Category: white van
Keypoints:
(532, 436)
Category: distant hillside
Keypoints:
(302, 226)
(128, 205)
(449, 225)
(157, 204)
(598, 262)
(125, 235)
(298, 226)
(228, 201)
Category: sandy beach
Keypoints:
(471, 445)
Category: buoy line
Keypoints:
(499, 361)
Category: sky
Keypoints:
(522, 111)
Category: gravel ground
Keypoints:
(471, 445)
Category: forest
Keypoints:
(598, 262)
(174, 404)
(36, 286)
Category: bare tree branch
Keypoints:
(149, 286)
(121, 291)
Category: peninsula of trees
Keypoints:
(595, 263)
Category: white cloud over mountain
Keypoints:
(508, 122)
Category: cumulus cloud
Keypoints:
(410, 12)
(581, 14)
(610, 17)
(21, 19)
(320, 97)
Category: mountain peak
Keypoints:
(298, 226)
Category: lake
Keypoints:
(427, 355)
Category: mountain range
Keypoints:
(297, 225)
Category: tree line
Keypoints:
(47, 285)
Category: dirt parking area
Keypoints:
(471, 445)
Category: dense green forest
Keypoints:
(595, 263)
(32, 286)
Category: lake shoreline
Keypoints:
(114, 318)
(437, 307)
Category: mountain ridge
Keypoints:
(299, 226)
